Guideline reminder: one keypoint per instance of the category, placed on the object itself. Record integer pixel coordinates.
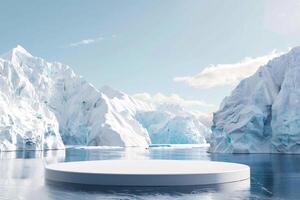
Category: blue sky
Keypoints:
(141, 46)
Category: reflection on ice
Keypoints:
(241, 188)
(179, 146)
(54, 156)
(95, 147)
(49, 155)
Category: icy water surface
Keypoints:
(272, 176)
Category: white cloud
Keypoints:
(86, 41)
(226, 74)
(282, 17)
(174, 99)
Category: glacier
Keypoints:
(172, 124)
(262, 114)
(25, 121)
(46, 105)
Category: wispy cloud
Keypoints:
(226, 74)
(86, 41)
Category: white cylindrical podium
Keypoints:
(147, 172)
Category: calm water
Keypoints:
(272, 176)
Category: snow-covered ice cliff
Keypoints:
(172, 124)
(262, 115)
(25, 121)
(43, 103)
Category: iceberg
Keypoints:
(25, 121)
(171, 124)
(262, 115)
(45, 105)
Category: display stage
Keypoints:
(146, 172)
